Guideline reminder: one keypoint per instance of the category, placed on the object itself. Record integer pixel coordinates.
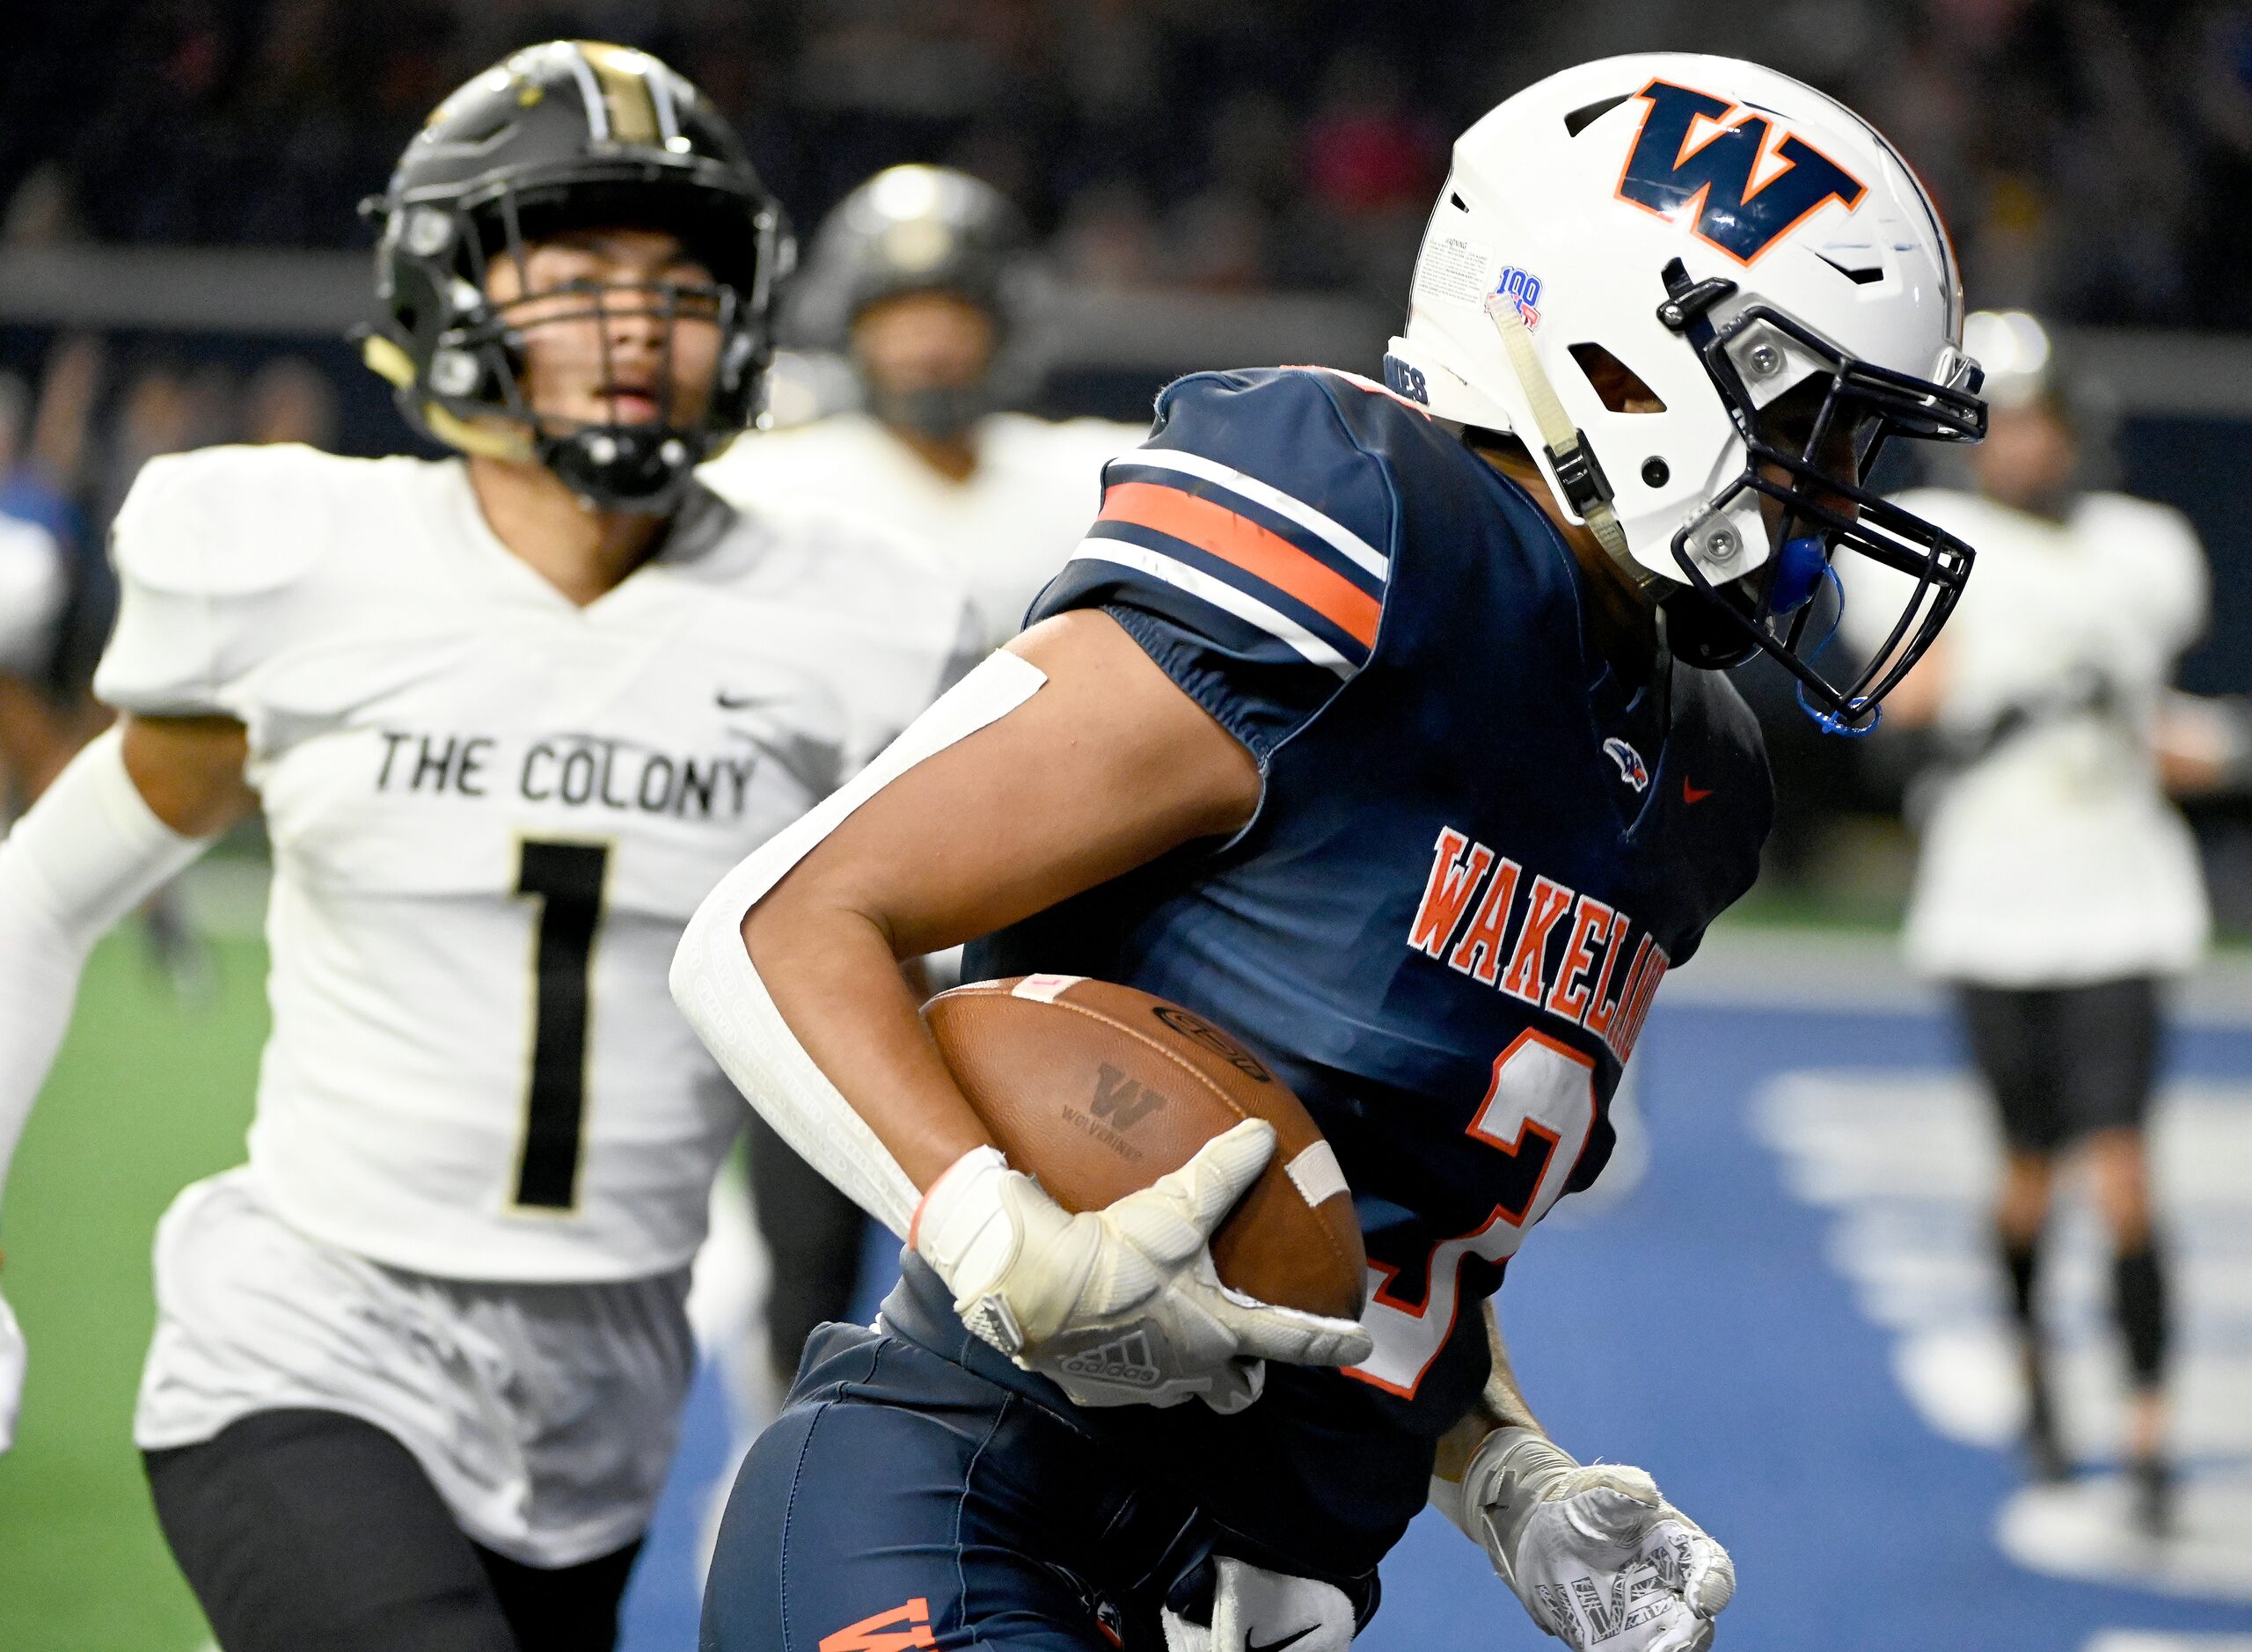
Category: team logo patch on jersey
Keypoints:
(1631, 767)
(1524, 287)
(1749, 182)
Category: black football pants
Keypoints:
(309, 1530)
(814, 1236)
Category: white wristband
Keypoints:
(1511, 1472)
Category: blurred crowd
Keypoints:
(1245, 144)
(1219, 145)
(69, 449)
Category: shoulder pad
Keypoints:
(2122, 514)
(855, 544)
(1274, 438)
(1253, 520)
(231, 521)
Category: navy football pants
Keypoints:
(902, 1502)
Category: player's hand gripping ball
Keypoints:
(1598, 1556)
(1161, 1216)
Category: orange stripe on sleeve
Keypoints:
(1233, 538)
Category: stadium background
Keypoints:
(1233, 183)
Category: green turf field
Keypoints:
(149, 1095)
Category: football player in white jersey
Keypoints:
(418, 1364)
(919, 264)
(2057, 889)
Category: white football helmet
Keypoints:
(1728, 235)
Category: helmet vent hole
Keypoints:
(1617, 386)
(1860, 275)
(1587, 113)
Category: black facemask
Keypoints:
(935, 413)
(1823, 513)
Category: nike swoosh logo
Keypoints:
(1694, 793)
(1277, 1646)
(728, 702)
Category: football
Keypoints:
(1098, 1090)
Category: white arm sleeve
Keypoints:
(86, 853)
(725, 1001)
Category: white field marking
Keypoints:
(1906, 1163)
(2159, 1640)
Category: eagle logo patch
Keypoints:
(1631, 767)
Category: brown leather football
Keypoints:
(1098, 1090)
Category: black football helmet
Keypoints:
(564, 136)
(913, 229)
(916, 229)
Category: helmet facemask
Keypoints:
(478, 366)
(1848, 411)
(575, 136)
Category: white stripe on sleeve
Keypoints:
(1340, 539)
(1220, 593)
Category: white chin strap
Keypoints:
(1569, 453)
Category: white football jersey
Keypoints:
(2055, 857)
(492, 813)
(1007, 528)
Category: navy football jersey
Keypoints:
(1475, 857)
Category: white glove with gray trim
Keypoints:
(1598, 1556)
(1122, 1306)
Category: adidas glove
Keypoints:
(1596, 1554)
(1122, 1306)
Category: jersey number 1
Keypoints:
(566, 879)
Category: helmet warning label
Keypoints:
(1453, 267)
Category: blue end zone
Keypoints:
(1699, 1329)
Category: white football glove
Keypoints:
(1297, 1613)
(1122, 1306)
(11, 1373)
(1596, 1554)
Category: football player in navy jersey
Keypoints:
(1378, 723)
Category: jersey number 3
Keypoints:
(566, 879)
(1537, 1115)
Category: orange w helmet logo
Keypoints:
(1747, 185)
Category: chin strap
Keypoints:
(1587, 491)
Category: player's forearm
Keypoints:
(39, 982)
(88, 851)
(1500, 1405)
(834, 978)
